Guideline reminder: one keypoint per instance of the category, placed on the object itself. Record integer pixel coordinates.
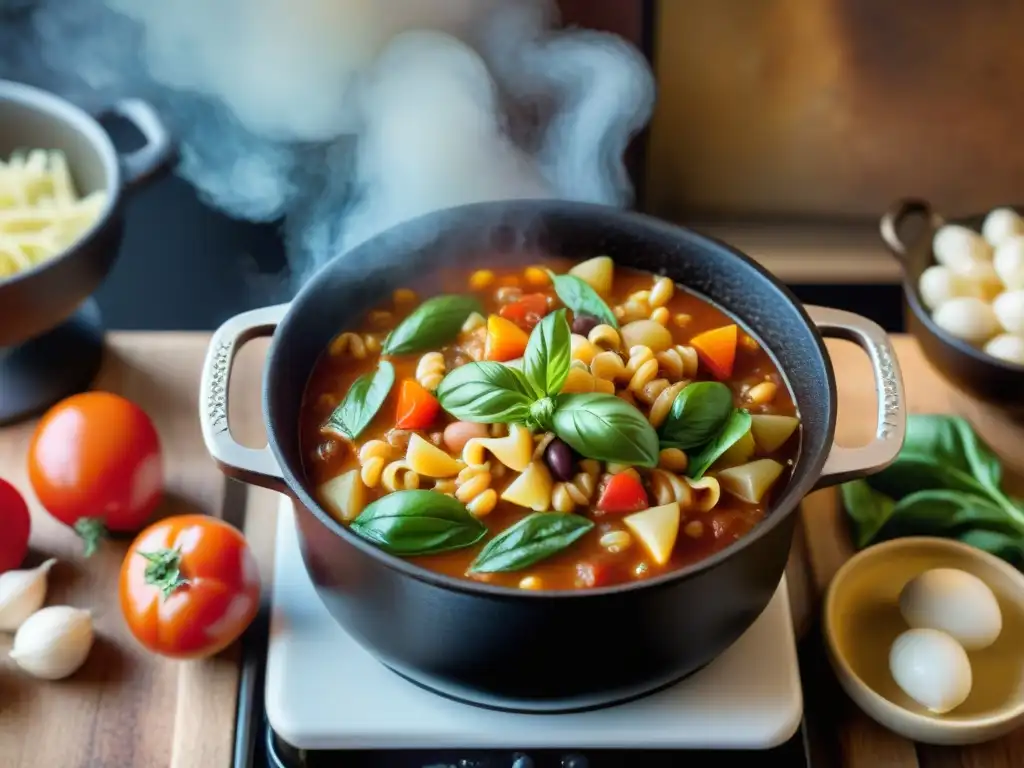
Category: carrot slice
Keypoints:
(417, 408)
(527, 311)
(505, 340)
(717, 350)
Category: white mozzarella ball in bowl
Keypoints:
(955, 602)
(1000, 225)
(982, 277)
(1008, 263)
(939, 284)
(1009, 311)
(1008, 347)
(955, 247)
(967, 318)
(931, 668)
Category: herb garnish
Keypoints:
(606, 428)
(737, 425)
(432, 324)
(362, 401)
(578, 296)
(548, 354)
(699, 412)
(945, 482)
(407, 523)
(532, 539)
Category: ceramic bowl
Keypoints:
(862, 619)
(908, 228)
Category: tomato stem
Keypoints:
(164, 570)
(92, 531)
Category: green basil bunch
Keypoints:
(598, 426)
(704, 423)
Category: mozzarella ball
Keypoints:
(983, 277)
(939, 284)
(1009, 311)
(932, 668)
(1009, 263)
(1008, 347)
(955, 602)
(967, 318)
(1000, 225)
(955, 247)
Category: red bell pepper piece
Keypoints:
(417, 408)
(527, 311)
(622, 494)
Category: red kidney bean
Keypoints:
(560, 460)
(584, 324)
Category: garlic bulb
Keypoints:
(22, 593)
(54, 642)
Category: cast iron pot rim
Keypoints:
(77, 119)
(795, 490)
(910, 292)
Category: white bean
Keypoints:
(939, 284)
(955, 246)
(1009, 310)
(1000, 225)
(1008, 347)
(1009, 263)
(967, 318)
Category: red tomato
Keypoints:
(417, 408)
(189, 586)
(95, 465)
(622, 494)
(15, 526)
(527, 311)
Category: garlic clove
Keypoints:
(54, 642)
(22, 593)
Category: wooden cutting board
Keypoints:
(129, 708)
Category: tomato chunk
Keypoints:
(527, 311)
(505, 340)
(622, 494)
(417, 408)
(595, 574)
(717, 350)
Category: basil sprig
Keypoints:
(548, 354)
(735, 427)
(432, 324)
(534, 538)
(407, 523)
(606, 428)
(362, 401)
(486, 393)
(578, 296)
(698, 414)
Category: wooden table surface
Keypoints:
(129, 708)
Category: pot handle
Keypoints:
(894, 219)
(156, 155)
(251, 465)
(845, 464)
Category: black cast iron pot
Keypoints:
(554, 651)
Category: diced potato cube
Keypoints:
(597, 273)
(646, 333)
(428, 460)
(771, 432)
(344, 496)
(657, 529)
(750, 482)
(739, 452)
(532, 489)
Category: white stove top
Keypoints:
(324, 691)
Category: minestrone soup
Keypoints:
(549, 427)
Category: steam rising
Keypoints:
(345, 117)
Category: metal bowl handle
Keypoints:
(157, 154)
(845, 464)
(894, 219)
(251, 465)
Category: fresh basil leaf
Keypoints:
(548, 354)
(950, 440)
(912, 472)
(362, 401)
(604, 427)
(867, 509)
(407, 523)
(1003, 546)
(486, 393)
(578, 296)
(432, 324)
(735, 427)
(937, 512)
(698, 413)
(532, 539)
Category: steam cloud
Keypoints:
(344, 117)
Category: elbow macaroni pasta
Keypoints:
(692, 495)
(397, 476)
(473, 488)
(372, 458)
(430, 370)
(566, 496)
